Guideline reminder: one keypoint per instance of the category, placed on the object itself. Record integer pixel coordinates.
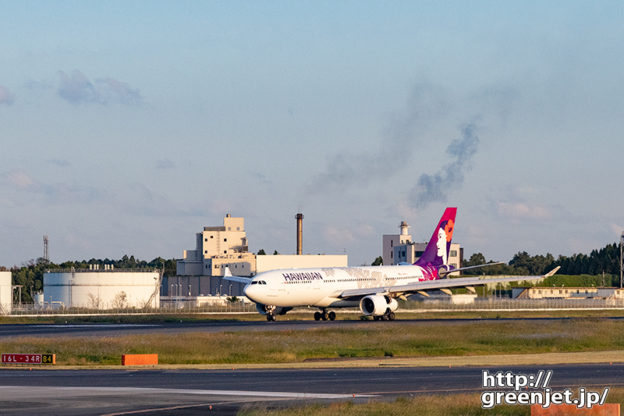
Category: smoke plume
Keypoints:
(434, 188)
(426, 104)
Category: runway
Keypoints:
(91, 392)
(106, 329)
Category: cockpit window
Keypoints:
(254, 282)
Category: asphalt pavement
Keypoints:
(97, 392)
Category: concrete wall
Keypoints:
(241, 264)
(177, 286)
(102, 290)
(6, 293)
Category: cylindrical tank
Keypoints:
(102, 289)
(39, 300)
(6, 293)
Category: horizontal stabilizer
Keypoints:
(461, 269)
(238, 279)
(227, 275)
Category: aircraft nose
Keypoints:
(250, 290)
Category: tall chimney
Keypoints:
(299, 218)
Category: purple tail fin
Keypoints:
(437, 251)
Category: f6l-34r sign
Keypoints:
(28, 358)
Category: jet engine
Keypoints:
(377, 305)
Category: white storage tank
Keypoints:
(106, 289)
(6, 293)
(39, 300)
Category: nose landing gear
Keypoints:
(270, 313)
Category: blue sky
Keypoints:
(127, 126)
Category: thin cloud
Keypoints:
(521, 211)
(6, 96)
(112, 90)
(260, 177)
(54, 193)
(18, 179)
(165, 164)
(61, 163)
(617, 229)
(76, 88)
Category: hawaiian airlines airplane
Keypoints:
(374, 289)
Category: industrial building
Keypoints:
(6, 293)
(219, 248)
(400, 248)
(568, 293)
(102, 289)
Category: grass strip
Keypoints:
(411, 339)
(425, 405)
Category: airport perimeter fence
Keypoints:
(494, 303)
(185, 308)
(169, 308)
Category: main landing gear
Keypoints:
(324, 315)
(389, 316)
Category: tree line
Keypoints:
(605, 260)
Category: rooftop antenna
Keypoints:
(46, 253)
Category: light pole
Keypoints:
(621, 260)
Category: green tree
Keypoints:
(475, 260)
(378, 261)
(261, 252)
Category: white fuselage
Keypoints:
(322, 287)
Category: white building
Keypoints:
(200, 271)
(6, 293)
(219, 247)
(400, 248)
(567, 293)
(102, 289)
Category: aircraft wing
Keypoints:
(441, 284)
